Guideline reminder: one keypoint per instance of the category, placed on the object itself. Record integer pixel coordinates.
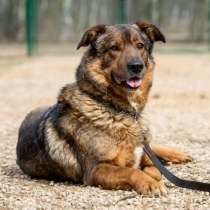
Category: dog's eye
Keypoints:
(140, 45)
(114, 48)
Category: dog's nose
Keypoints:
(136, 66)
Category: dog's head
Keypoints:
(119, 56)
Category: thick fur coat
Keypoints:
(95, 132)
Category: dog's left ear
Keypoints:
(90, 36)
(151, 31)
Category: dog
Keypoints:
(95, 132)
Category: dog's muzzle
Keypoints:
(136, 68)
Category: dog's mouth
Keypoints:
(132, 83)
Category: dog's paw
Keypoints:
(149, 186)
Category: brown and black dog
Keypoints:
(94, 134)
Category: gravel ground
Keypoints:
(178, 110)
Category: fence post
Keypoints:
(122, 11)
(31, 25)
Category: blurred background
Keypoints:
(38, 56)
(40, 25)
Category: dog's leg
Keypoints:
(114, 177)
(149, 168)
(153, 172)
(167, 154)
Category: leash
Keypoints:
(193, 185)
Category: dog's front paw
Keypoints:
(147, 185)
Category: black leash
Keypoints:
(193, 185)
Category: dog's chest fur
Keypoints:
(103, 134)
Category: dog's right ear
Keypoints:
(90, 36)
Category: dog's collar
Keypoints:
(117, 109)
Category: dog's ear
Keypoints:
(91, 35)
(151, 31)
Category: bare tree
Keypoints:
(10, 24)
(198, 22)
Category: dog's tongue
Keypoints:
(133, 82)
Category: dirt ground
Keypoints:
(178, 110)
